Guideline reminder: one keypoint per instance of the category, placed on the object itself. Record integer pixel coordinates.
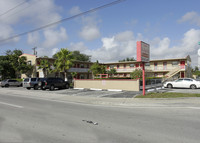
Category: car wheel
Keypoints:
(51, 87)
(169, 86)
(7, 85)
(28, 88)
(193, 86)
(36, 87)
(66, 86)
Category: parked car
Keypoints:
(183, 83)
(52, 83)
(29, 83)
(10, 82)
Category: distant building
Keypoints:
(80, 67)
(167, 68)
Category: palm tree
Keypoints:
(45, 66)
(64, 61)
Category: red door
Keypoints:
(182, 75)
(182, 63)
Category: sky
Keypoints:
(171, 27)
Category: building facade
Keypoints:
(164, 68)
(80, 67)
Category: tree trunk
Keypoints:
(65, 76)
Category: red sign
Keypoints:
(142, 51)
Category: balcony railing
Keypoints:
(78, 70)
(151, 69)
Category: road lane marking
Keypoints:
(194, 107)
(12, 105)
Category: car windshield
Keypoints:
(26, 80)
(179, 80)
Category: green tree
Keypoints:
(96, 68)
(80, 57)
(45, 66)
(6, 69)
(23, 67)
(112, 71)
(14, 60)
(127, 59)
(136, 74)
(64, 61)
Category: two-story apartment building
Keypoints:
(168, 68)
(80, 67)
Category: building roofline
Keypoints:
(129, 62)
(28, 54)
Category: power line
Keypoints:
(13, 8)
(63, 20)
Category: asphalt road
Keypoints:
(35, 120)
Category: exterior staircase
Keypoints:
(171, 73)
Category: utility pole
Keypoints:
(34, 51)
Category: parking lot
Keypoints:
(82, 92)
(100, 94)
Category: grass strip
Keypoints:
(168, 95)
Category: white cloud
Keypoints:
(161, 49)
(192, 17)
(31, 14)
(33, 38)
(123, 45)
(75, 10)
(90, 30)
(90, 33)
(77, 47)
(53, 37)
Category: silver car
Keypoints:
(10, 82)
(183, 83)
(29, 83)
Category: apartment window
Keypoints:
(82, 65)
(124, 65)
(155, 66)
(175, 63)
(147, 64)
(81, 76)
(29, 63)
(125, 75)
(117, 66)
(132, 65)
(164, 65)
(112, 66)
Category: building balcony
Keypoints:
(151, 69)
(79, 70)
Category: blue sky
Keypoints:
(108, 35)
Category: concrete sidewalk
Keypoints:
(56, 96)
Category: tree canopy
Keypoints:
(64, 61)
(96, 68)
(77, 56)
(127, 59)
(12, 65)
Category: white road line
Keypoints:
(12, 105)
(194, 107)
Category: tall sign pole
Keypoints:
(143, 54)
(199, 57)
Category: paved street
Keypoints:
(49, 117)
